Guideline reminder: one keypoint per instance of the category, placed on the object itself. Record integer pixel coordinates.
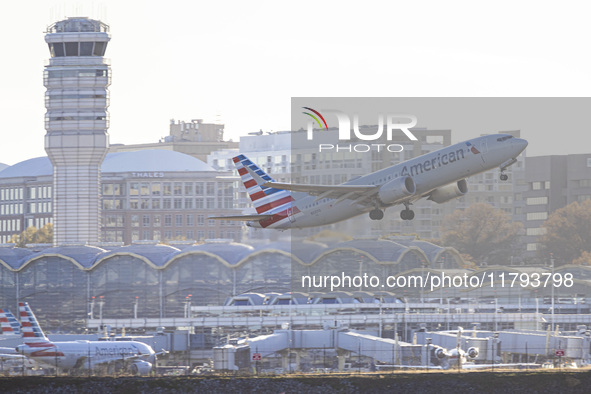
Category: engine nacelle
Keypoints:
(396, 190)
(449, 192)
(473, 352)
(141, 367)
(440, 353)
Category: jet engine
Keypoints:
(141, 367)
(440, 353)
(449, 192)
(396, 190)
(473, 352)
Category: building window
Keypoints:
(178, 189)
(536, 231)
(156, 220)
(188, 203)
(178, 203)
(135, 221)
(146, 221)
(145, 203)
(190, 220)
(156, 235)
(156, 203)
(190, 235)
(536, 200)
(179, 220)
(167, 189)
(166, 203)
(199, 203)
(537, 216)
(532, 247)
(167, 220)
(188, 189)
(200, 220)
(156, 189)
(210, 189)
(199, 189)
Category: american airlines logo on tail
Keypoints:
(8, 323)
(266, 200)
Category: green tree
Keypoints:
(484, 233)
(33, 236)
(567, 233)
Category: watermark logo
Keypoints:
(387, 124)
(315, 118)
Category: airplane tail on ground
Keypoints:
(266, 200)
(31, 329)
(8, 323)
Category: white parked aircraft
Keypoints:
(137, 357)
(438, 176)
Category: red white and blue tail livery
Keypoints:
(9, 324)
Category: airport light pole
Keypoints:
(135, 304)
(429, 341)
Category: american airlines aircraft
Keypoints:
(438, 176)
(136, 356)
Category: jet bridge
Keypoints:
(286, 342)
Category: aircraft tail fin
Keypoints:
(31, 329)
(8, 323)
(266, 199)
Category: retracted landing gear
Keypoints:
(376, 214)
(503, 176)
(407, 213)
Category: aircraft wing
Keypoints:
(337, 192)
(11, 356)
(348, 192)
(254, 218)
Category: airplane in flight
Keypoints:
(439, 176)
(136, 357)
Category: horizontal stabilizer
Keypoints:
(248, 218)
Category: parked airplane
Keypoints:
(137, 357)
(438, 176)
(10, 329)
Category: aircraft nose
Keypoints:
(520, 143)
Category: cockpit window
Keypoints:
(504, 138)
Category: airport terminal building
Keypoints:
(67, 284)
(157, 195)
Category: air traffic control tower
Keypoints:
(76, 121)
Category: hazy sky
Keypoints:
(240, 62)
